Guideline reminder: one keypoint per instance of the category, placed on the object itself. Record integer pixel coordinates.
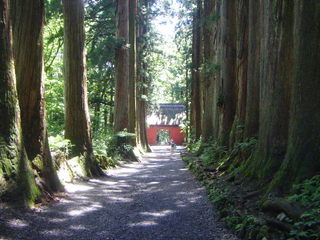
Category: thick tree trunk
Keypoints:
(122, 67)
(303, 153)
(217, 68)
(195, 79)
(208, 74)
(276, 74)
(241, 71)
(141, 89)
(77, 120)
(133, 67)
(28, 20)
(14, 164)
(228, 76)
(253, 84)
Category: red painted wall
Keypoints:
(175, 133)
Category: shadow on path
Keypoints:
(154, 199)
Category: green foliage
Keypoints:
(59, 144)
(307, 194)
(118, 145)
(212, 153)
(219, 196)
(195, 145)
(105, 162)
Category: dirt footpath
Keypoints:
(154, 199)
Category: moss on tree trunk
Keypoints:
(16, 175)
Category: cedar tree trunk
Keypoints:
(28, 21)
(14, 164)
(122, 67)
(77, 119)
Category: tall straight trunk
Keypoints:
(28, 20)
(217, 68)
(208, 75)
(122, 67)
(303, 153)
(133, 66)
(228, 63)
(241, 71)
(200, 33)
(77, 120)
(251, 125)
(276, 74)
(140, 88)
(14, 164)
(195, 80)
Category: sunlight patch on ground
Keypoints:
(57, 220)
(55, 232)
(121, 199)
(153, 183)
(18, 223)
(143, 224)
(72, 188)
(158, 214)
(80, 212)
(78, 227)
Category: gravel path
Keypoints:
(154, 199)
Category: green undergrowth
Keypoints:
(244, 206)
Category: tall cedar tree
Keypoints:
(216, 67)
(14, 164)
(28, 22)
(303, 152)
(122, 67)
(236, 134)
(77, 120)
(228, 76)
(208, 74)
(141, 89)
(251, 125)
(196, 111)
(133, 66)
(275, 75)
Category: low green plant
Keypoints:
(59, 144)
(307, 194)
(195, 145)
(119, 145)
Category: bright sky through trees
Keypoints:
(167, 59)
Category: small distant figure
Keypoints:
(172, 146)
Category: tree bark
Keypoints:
(276, 73)
(28, 20)
(209, 68)
(303, 152)
(122, 67)
(14, 164)
(253, 83)
(241, 72)
(77, 119)
(141, 86)
(195, 79)
(217, 71)
(228, 76)
(133, 67)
